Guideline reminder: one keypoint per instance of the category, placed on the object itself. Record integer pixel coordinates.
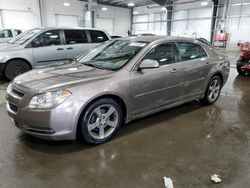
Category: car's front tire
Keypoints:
(15, 68)
(239, 65)
(101, 121)
(213, 91)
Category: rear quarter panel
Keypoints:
(220, 64)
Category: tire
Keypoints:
(95, 122)
(210, 98)
(15, 68)
(239, 64)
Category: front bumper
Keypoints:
(59, 123)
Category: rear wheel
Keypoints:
(15, 68)
(239, 65)
(101, 121)
(213, 91)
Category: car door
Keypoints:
(48, 48)
(194, 68)
(157, 87)
(76, 42)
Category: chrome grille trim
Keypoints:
(9, 108)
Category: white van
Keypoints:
(8, 34)
(40, 47)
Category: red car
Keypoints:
(243, 64)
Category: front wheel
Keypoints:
(101, 121)
(15, 68)
(239, 65)
(213, 91)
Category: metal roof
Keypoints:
(124, 3)
(155, 38)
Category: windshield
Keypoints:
(6, 33)
(112, 55)
(22, 38)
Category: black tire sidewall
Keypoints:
(239, 64)
(86, 115)
(10, 67)
(206, 98)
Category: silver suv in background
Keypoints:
(40, 47)
(8, 34)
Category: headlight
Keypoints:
(9, 88)
(49, 99)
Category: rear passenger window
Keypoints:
(98, 36)
(75, 36)
(189, 51)
(164, 54)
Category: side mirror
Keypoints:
(149, 64)
(36, 43)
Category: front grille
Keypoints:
(13, 107)
(17, 93)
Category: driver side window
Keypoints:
(163, 53)
(49, 38)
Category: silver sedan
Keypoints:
(115, 83)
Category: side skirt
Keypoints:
(162, 108)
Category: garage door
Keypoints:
(17, 19)
(105, 24)
(67, 20)
(1, 23)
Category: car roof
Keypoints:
(48, 28)
(156, 38)
(9, 29)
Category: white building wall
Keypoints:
(121, 18)
(18, 14)
(149, 19)
(54, 8)
(25, 14)
(189, 20)
(192, 20)
(238, 23)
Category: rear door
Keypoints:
(76, 42)
(194, 68)
(157, 87)
(50, 49)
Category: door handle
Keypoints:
(59, 49)
(70, 48)
(174, 71)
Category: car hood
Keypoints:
(60, 77)
(5, 47)
(4, 40)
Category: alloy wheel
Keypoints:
(214, 90)
(103, 121)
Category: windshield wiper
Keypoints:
(94, 65)
(113, 58)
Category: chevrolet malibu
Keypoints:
(115, 83)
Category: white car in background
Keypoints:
(8, 34)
